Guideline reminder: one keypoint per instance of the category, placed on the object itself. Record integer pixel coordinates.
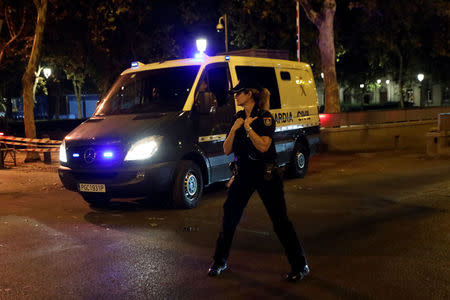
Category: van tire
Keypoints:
(299, 161)
(96, 200)
(187, 185)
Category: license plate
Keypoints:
(92, 188)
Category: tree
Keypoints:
(29, 78)
(266, 25)
(71, 54)
(76, 70)
(404, 38)
(14, 31)
(324, 23)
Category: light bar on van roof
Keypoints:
(136, 64)
(227, 57)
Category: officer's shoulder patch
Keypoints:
(268, 121)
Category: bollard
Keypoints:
(47, 155)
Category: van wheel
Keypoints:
(188, 185)
(299, 161)
(96, 200)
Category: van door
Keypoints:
(267, 77)
(214, 109)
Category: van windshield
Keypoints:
(160, 90)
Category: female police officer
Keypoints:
(250, 138)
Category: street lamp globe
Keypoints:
(47, 72)
(219, 26)
(361, 85)
(388, 81)
(378, 81)
(420, 77)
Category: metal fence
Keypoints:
(381, 117)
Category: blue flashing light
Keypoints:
(108, 154)
(135, 64)
(76, 155)
(198, 55)
(227, 57)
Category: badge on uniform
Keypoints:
(268, 121)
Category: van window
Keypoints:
(266, 77)
(215, 81)
(285, 75)
(159, 90)
(218, 82)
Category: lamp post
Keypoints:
(297, 7)
(420, 77)
(221, 27)
(361, 86)
(378, 91)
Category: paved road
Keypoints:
(375, 226)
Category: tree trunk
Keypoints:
(57, 106)
(400, 80)
(29, 77)
(77, 89)
(328, 60)
(324, 22)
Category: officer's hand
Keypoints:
(237, 124)
(249, 121)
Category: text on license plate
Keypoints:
(92, 188)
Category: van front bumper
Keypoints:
(136, 181)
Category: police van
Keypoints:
(160, 128)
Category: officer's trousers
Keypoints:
(272, 195)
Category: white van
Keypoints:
(162, 125)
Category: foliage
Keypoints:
(93, 41)
(270, 24)
(414, 31)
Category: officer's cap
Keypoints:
(245, 83)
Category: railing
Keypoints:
(381, 117)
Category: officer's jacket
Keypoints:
(264, 125)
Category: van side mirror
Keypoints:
(206, 103)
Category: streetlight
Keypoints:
(388, 81)
(47, 72)
(420, 77)
(361, 85)
(379, 81)
(221, 27)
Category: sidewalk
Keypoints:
(33, 166)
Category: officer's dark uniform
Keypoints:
(250, 177)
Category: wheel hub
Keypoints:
(300, 157)
(190, 185)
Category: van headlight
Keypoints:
(144, 148)
(62, 152)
